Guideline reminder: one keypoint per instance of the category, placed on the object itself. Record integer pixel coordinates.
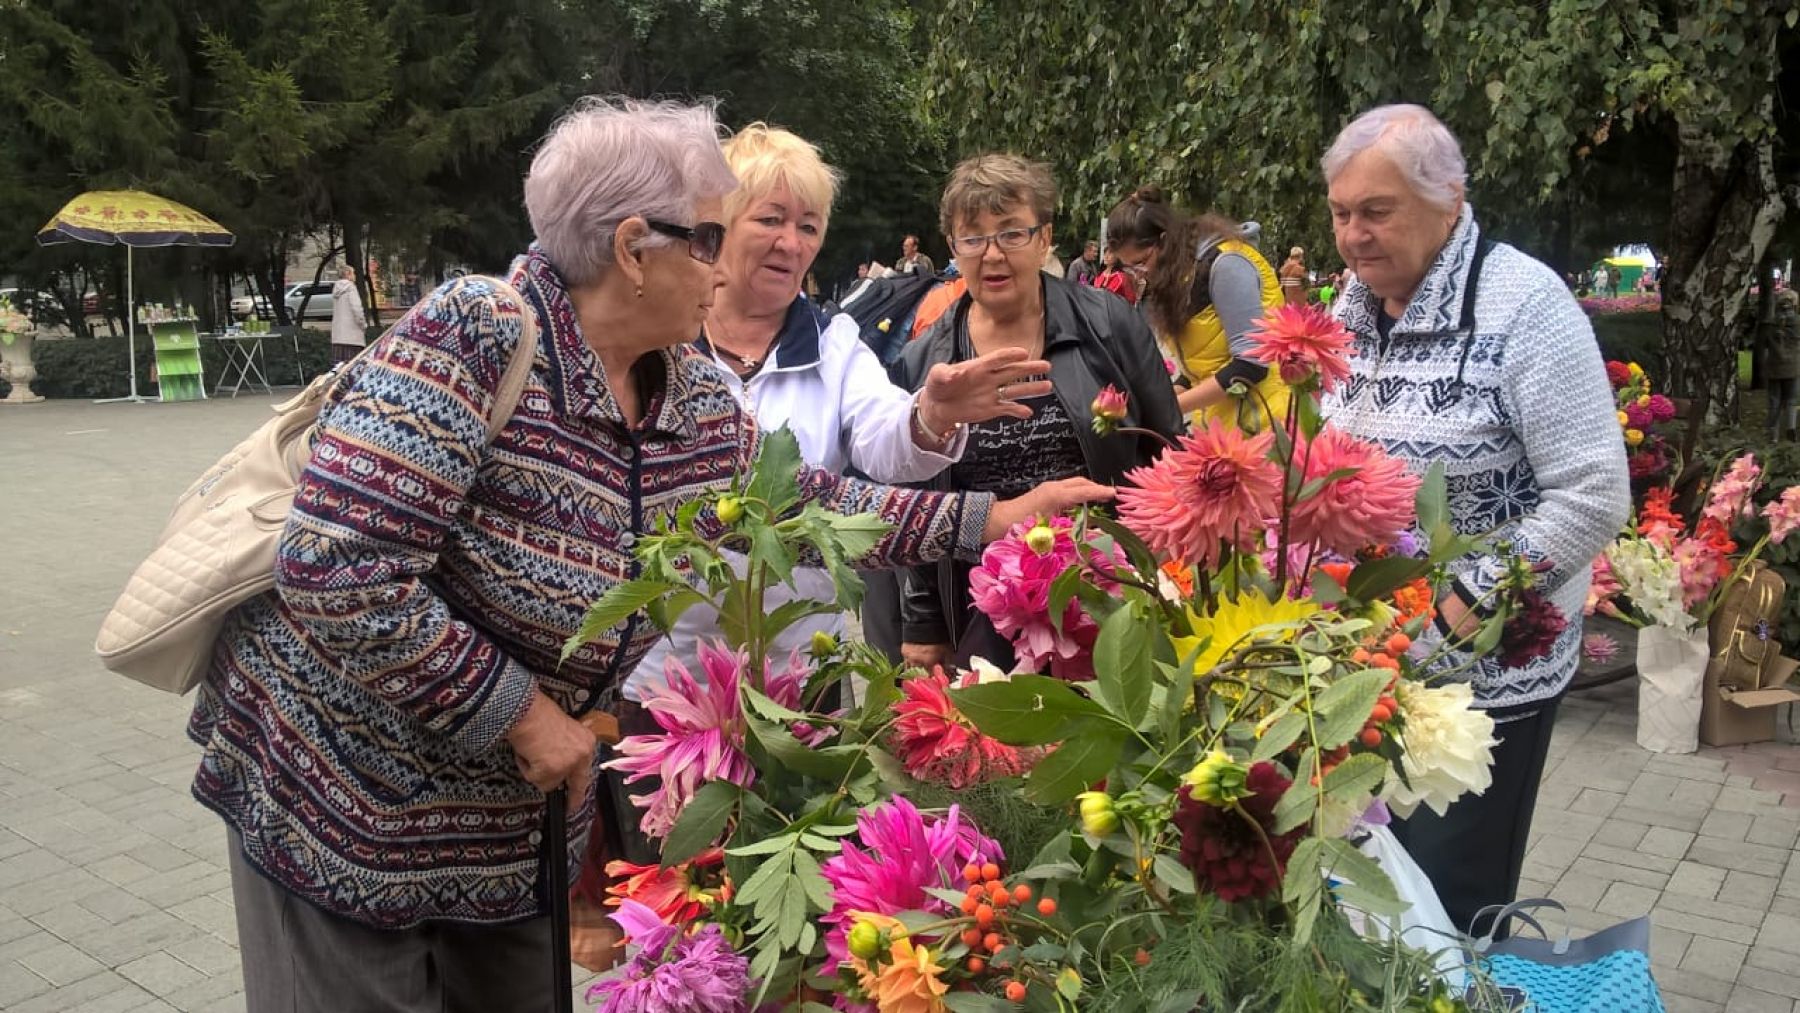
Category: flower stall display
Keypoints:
(1178, 799)
(1641, 410)
(1668, 578)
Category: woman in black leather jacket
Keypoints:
(996, 213)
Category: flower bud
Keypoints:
(1217, 780)
(730, 509)
(865, 940)
(1098, 817)
(1108, 409)
(1633, 437)
(824, 645)
(1041, 539)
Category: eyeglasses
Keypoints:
(704, 239)
(1006, 239)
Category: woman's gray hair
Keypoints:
(1418, 144)
(609, 159)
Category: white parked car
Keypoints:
(317, 308)
(243, 306)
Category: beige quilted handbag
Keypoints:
(218, 549)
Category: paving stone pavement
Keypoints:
(114, 894)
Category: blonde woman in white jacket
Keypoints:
(792, 368)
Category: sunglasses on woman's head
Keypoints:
(704, 239)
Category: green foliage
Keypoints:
(1630, 337)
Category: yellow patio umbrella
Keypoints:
(132, 218)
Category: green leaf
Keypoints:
(1068, 984)
(1124, 663)
(832, 763)
(858, 534)
(789, 613)
(1326, 590)
(766, 549)
(1026, 710)
(1344, 707)
(766, 846)
(1359, 773)
(812, 880)
(1062, 590)
(976, 1002)
(1379, 577)
(1279, 736)
(617, 604)
(1303, 888)
(1172, 874)
(1296, 806)
(1312, 487)
(665, 612)
(1136, 549)
(1432, 502)
(775, 479)
(701, 822)
(1343, 861)
(761, 704)
(1081, 760)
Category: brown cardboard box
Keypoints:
(1732, 717)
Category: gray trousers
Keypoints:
(299, 959)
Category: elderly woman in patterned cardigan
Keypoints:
(380, 729)
(1472, 355)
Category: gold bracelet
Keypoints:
(918, 420)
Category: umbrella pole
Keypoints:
(130, 338)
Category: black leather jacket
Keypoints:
(1092, 338)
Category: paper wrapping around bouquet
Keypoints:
(1671, 671)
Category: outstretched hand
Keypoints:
(1046, 500)
(983, 388)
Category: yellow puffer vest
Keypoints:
(1203, 349)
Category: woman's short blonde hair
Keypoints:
(765, 157)
(996, 183)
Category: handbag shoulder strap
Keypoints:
(518, 367)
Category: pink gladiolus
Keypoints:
(1730, 495)
(1783, 514)
(1216, 486)
(1012, 588)
(1370, 506)
(1302, 342)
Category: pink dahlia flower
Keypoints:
(897, 855)
(1012, 588)
(1302, 342)
(1217, 485)
(702, 736)
(1372, 505)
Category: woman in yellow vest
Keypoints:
(1204, 288)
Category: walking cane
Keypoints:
(556, 883)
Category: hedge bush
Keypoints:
(1630, 337)
(95, 367)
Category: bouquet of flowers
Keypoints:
(1641, 410)
(1217, 691)
(1661, 572)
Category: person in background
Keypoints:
(1293, 277)
(996, 215)
(380, 728)
(1115, 280)
(1083, 269)
(348, 325)
(911, 260)
(1781, 366)
(1205, 286)
(1487, 367)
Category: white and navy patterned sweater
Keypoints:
(1519, 412)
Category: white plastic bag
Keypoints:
(1423, 925)
(1671, 670)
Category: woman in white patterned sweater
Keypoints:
(1472, 355)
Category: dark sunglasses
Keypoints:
(704, 239)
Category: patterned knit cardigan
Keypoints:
(354, 719)
(1519, 413)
